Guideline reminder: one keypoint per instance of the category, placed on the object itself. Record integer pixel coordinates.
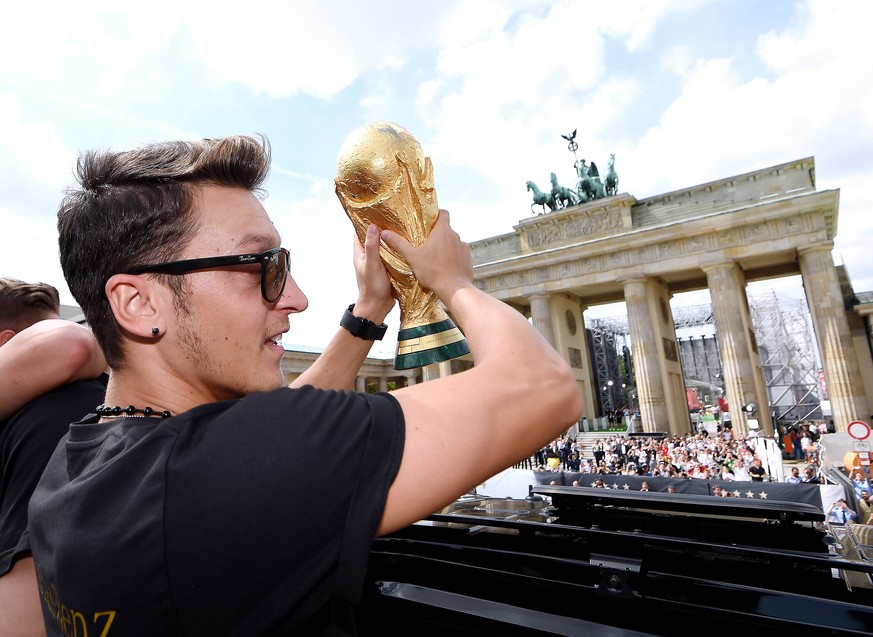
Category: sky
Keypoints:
(682, 92)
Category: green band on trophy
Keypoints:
(427, 344)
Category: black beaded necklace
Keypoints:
(117, 411)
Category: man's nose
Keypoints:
(292, 297)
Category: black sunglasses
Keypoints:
(275, 266)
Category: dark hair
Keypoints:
(136, 207)
(23, 304)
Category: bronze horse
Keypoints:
(611, 177)
(563, 196)
(541, 198)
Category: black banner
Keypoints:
(805, 493)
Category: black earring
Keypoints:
(155, 331)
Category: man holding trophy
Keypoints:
(198, 499)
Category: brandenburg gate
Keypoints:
(719, 235)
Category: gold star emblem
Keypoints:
(749, 494)
(763, 495)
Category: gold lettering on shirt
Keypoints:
(73, 623)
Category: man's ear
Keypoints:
(138, 304)
(5, 335)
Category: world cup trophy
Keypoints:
(384, 178)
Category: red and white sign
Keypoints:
(859, 430)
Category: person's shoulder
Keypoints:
(66, 403)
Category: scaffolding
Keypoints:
(788, 357)
(603, 344)
(785, 345)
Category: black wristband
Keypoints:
(361, 327)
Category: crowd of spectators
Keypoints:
(721, 456)
(701, 455)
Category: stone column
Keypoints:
(647, 366)
(410, 379)
(541, 313)
(360, 384)
(430, 372)
(743, 377)
(383, 384)
(832, 334)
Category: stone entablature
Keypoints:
(777, 182)
(598, 219)
(622, 214)
(763, 236)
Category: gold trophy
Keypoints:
(384, 178)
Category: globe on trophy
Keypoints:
(384, 178)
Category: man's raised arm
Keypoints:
(465, 428)
(338, 365)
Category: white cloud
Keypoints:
(33, 164)
(52, 43)
(314, 48)
(678, 60)
(635, 20)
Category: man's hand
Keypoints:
(338, 365)
(443, 264)
(374, 287)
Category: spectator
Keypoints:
(741, 473)
(553, 461)
(805, 443)
(794, 478)
(796, 445)
(597, 451)
(840, 513)
(757, 471)
(809, 476)
(864, 506)
(573, 462)
(183, 513)
(860, 482)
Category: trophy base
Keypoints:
(431, 343)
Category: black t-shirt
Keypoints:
(757, 473)
(247, 517)
(27, 440)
